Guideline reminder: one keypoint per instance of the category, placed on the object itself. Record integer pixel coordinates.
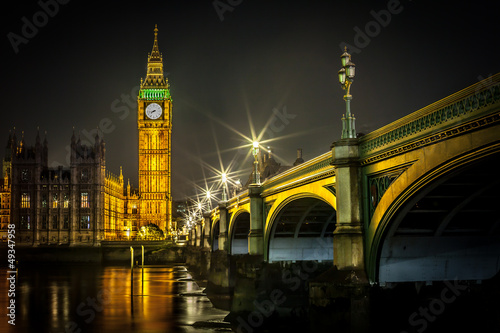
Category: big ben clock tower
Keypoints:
(154, 122)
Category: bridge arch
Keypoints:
(442, 223)
(301, 228)
(239, 228)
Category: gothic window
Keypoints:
(25, 175)
(66, 222)
(44, 221)
(25, 200)
(54, 200)
(54, 222)
(66, 200)
(44, 200)
(85, 222)
(84, 175)
(25, 222)
(85, 200)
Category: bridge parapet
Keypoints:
(317, 168)
(470, 108)
(238, 200)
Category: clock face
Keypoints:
(153, 111)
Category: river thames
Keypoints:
(98, 298)
(78, 298)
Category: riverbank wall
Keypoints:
(155, 253)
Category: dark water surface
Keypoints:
(94, 298)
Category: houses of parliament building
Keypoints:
(84, 204)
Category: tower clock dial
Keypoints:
(153, 111)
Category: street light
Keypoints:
(256, 174)
(209, 198)
(346, 76)
(224, 180)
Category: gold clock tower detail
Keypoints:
(154, 122)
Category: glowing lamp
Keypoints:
(342, 75)
(350, 67)
(345, 57)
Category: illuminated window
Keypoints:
(66, 200)
(25, 200)
(54, 201)
(85, 200)
(85, 222)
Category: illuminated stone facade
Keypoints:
(4, 207)
(80, 205)
(154, 122)
(84, 203)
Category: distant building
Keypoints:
(84, 203)
(4, 205)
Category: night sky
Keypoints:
(273, 62)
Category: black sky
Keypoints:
(86, 61)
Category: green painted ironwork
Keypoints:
(377, 186)
(436, 118)
(154, 94)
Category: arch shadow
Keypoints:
(301, 229)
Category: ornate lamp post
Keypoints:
(346, 76)
(255, 152)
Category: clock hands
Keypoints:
(153, 111)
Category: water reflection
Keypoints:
(94, 298)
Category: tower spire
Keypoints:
(155, 53)
(154, 76)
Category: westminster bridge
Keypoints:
(416, 201)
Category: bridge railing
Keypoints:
(468, 104)
(239, 199)
(308, 171)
